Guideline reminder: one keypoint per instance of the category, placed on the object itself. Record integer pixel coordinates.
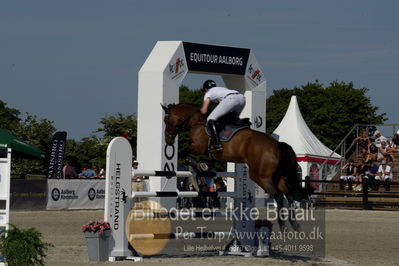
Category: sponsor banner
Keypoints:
(177, 67)
(253, 74)
(75, 194)
(28, 194)
(56, 155)
(216, 59)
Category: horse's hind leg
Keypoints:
(279, 197)
(291, 211)
(282, 186)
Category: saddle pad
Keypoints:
(228, 131)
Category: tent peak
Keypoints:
(294, 131)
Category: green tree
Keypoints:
(190, 96)
(330, 112)
(92, 150)
(116, 125)
(38, 133)
(9, 117)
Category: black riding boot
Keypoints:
(216, 146)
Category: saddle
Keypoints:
(228, 125)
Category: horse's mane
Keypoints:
(185, 106)
(188, 104)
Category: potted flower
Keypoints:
(97, 235)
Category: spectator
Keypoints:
(371, 174)
(101, 174)
(395, 142)
(314, 174)
(81, 174)
(137, 181)
(379, 138)
(384, 152)
(351, 171)
(372, 153)
(94, 168)
(363, 141)
(89, 173)
(362, 169)
(384, 174)
(69, 171)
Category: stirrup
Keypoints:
(215, 148)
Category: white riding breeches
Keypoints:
(231, 103)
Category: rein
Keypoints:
(185, 121)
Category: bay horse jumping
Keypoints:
(272, 164)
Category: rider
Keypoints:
(227, 100)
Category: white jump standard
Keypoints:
(118, 202)
(5, 180)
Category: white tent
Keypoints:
(310, 152)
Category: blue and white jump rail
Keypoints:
(119, 195)
(182, 194)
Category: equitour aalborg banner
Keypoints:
(56, 156)
(215, 58)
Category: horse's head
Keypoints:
(172, 123)
(177, 115)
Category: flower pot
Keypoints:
(97, 245)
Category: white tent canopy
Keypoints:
(294, 131)
(308, 148)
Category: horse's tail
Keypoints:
(289, 167)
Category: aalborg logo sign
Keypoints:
(91, 194)
(94, 193)
(55, 194)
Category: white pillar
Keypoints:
(159, 81)
(254, 88)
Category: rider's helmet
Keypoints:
(208, 84)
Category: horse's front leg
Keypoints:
(199, 141)
(197, 148)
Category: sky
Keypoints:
(74, 62)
